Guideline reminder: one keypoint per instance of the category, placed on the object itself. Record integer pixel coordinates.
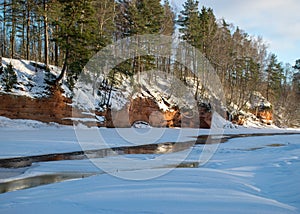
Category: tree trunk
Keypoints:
(3, 48)
(46, 34)
(1, 53)
(40, 42)
(23, 48)
(56, 50)
(13, 29)
(65, 66)
(12, 42)
(28, 33)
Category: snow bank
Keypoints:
(236, 180)
(31, 79)
(245, 175)
(22, 124)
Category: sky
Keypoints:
(276, 21)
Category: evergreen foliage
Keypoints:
(140, 17)
(297, 65)
(168, 24)
(105, 15)
(189, 22)
(1, 66)
(274, 72)
(9, 77)
(49, 77)
(75, 35)
(296, 77)
(208, 30)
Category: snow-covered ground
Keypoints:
(31, 79)
(245, 175)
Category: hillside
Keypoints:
(31, 78)
(159, 103)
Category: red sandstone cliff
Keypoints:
(57, 108)
(48, 109)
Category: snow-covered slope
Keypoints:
(167, 92)
(31, 78)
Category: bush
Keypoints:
(1, 67)
(49, 77)
(9, 77)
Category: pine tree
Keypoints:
(208, 29)
(3, 6)
(12, 13)
(139, 17)
(153, 15)
(168, 24)
(190, 29)
(75, 35)
(274, 74)
(45, 7)
(296, 77)
(297, 65)
(105, 14)
(9, 77)
(168, 28)
(189, 22)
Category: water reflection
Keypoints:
(39, 180)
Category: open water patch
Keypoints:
(159, 148)
(38, 180)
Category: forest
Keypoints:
(67, 33)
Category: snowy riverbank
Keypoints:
(245, 175)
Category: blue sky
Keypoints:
(277, 21)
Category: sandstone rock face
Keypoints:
(58, 109)
(265, 116)
(147, 110)
(139, 109)
(51, 109)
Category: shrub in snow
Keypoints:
(49, 77)
(1, 67)
(71, 81)
(9, 77)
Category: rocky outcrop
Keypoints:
(48, 109)
(146, 109)
(262, 116)
(57, 108)
(265, 116)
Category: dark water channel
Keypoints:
(39, 180)
(161, 148)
